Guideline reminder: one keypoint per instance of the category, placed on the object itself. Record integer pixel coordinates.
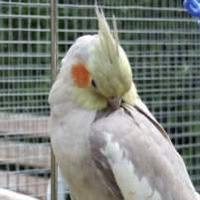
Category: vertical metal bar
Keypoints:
(53, 74)
(54, 39)
(53, 177)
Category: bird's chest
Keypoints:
(70, 136)
(70, 141)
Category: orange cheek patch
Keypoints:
(80, 75)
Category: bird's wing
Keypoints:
(135, 158)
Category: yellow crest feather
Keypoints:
(109, 42)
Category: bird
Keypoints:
(106, 142)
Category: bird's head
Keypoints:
(95, 72)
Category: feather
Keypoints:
(109, 44)
(144, 163)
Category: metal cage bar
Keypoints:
(54, 69)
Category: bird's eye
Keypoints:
(94, 85)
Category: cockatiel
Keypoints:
(106, 142)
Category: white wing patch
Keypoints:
(124, 171)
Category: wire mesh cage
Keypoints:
(25, 82)
(163, 45)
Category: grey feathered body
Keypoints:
(92, 170)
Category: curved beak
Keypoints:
(115, 102)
